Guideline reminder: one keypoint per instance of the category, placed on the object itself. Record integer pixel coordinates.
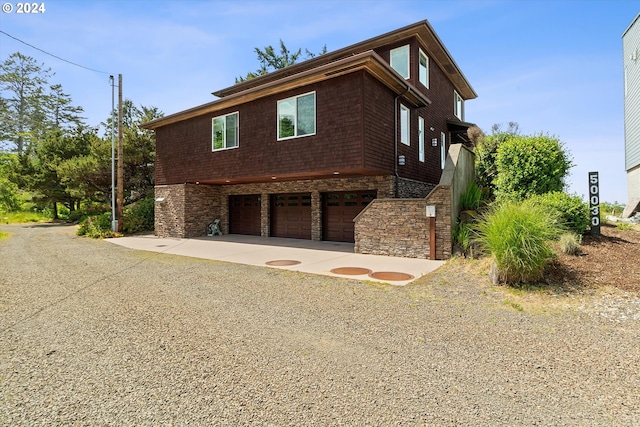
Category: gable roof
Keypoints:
(359, 56)
(422, 30)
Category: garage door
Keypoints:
(291, 215)
(244, 214)
(338, 211)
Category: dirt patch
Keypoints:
(611, 259)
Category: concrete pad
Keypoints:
(311, 256)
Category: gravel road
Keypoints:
(95, 334)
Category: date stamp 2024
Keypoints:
(24, 8)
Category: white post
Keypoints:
(114, 221)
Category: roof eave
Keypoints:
(369, 61)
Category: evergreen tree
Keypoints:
(270, 60)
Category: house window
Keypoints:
(400, 60)
(458, 105)
(404, 125)
(443, 149)
(225, 132)
(424, 69)
(297, 116)
(421, 139)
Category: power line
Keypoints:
(55, 56)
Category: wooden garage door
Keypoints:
(244, 214)
(338, 211)
(291, 215)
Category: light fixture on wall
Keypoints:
(401, 160)
(432, 128)
(160, 200)
(434, 142)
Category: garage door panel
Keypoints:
(244, 214)
(339, 210)
(291, 215)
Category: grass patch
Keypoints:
(22, 217)
(513, 305)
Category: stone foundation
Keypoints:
(187, 209)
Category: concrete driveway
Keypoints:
(326, 258)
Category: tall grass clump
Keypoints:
(471, 198)
(518, 235)
(569, 243)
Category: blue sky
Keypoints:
(551, 66)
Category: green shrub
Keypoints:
(139, 216)
(570, 243)
(10, 200)
(87, 210)
(528, 165)
(572, 212)
(517, 234)
(97, 227)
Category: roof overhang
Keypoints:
(458, 130)
(422, 30)
(369, 61)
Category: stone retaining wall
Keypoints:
(400, 227)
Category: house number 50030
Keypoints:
(594, 202)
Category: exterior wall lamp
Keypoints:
(401, 160)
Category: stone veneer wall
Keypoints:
(169, 211)
(400, 227)
(395, 227)
(410, 189)
(187, 209)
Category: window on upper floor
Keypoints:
(404, 125)
(297, 116)
(424, 68)
(421, 139)
(400, 60)
(225, 132)
(458, 106)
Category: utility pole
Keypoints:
(120, 203)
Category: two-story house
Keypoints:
(299, 152)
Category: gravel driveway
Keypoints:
(94, 334)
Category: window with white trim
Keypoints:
(443, 149)
(297, 116)
(421, 139)
(224, 132)
(404, 125)
(399, 60)
(423, 61)
(458, 106)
